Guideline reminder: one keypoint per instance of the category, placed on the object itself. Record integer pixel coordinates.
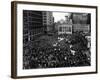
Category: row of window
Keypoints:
(65, 29)
(30, 19)
(31, 13)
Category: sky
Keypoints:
(59, 15)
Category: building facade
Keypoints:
(48, 20)
(65, 27)
(81, 22)
(32, 24)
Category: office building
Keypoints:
(32, 24)
(48, 20)
(81, 22)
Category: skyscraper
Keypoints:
(48, 20)
(32, 24)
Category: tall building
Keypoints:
(48, 20)
(81, 22)
(32, 24)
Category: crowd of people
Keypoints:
(48, 52)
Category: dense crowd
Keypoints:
(49, 52)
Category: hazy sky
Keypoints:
(59, 15)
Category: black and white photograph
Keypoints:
(53, 39)
(56, 39)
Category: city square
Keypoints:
(50, 44)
